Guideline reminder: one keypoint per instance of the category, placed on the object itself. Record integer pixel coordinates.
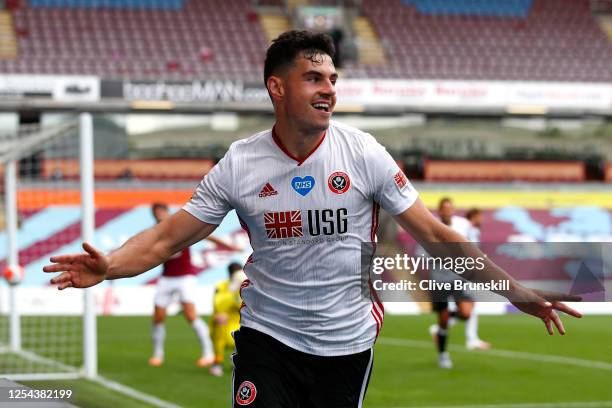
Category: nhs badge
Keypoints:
(303, 185)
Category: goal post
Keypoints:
(86, 160)
(10, 219)
(46, 335)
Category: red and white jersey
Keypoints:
(179, 264)
(306, 221)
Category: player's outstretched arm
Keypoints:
(139, 254)
(429, 231)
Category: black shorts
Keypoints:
(440, 297)
(269, 374)
(458, 296)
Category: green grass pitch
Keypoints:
(526, 366)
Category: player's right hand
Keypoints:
(78, 270)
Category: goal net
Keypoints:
(47, 208)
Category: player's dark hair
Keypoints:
(472, 212)
(443, 201)
(158, 206)
(281, 54)
(233, 268)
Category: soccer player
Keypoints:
(178, 277)
(475, 217)
(464, 302)
(226, 314)
(308, 192)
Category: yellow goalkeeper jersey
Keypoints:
(226, 300)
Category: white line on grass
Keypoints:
(590, 404)
(548, 358)
(138, 395)
(74, 374)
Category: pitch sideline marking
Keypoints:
(131, 392)
(549, 358)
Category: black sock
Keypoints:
(442, 336)
(456, 315)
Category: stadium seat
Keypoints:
(541, 40)
(99, 37)
(461, 39)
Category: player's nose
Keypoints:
(328, 88)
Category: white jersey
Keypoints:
(306, 222)
(473, 234)
(461, 225)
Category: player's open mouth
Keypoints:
(325, 107)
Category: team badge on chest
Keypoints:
(339, 182)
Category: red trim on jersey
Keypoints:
(374, 228)
(244, 284)
(376, 302)
(378, 309)
(248, 231)
(245, 227)
(284, 149)
(376, 320)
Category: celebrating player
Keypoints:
(308, 192)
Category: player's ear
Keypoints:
(275, 87)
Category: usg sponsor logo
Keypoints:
(289, 224)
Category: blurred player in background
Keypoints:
(226, 314)
(308, 192)
(178, 277)
(475, 216)
(464, 302)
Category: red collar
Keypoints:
(280, 145)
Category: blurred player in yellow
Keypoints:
(226, 315)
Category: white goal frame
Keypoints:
(9, 156)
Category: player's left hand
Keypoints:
(544, 304)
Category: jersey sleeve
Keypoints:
(211, 200)
(390, 186)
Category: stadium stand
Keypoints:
(8, 40)
(442, 170)
(203, 39)
(129, 4)
(500, 8)
(554, 40)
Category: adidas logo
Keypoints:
(267, 191)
